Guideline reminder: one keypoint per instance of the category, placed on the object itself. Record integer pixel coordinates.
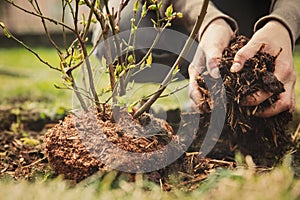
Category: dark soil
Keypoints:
(21, 139)
(265, 139)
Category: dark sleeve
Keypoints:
(191, 10)
(288, 13)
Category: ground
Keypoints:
(30, 105)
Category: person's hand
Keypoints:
(214, 40)
(274, 36)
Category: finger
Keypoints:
(285, 102)
(212, 67)
(213, 55)
(194, 93)
(194, 106)
(256, 98)
(246, 52)
(199, 102)
(198, 62)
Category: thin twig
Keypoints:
(78, 95)
(89, 19)
(35, 162)
(180, 58)
(123, 4)
(117, 43)
(104, 28)
(38, 10)
(40, 16)
(29, 49)
(63, 28)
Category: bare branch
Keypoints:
(123, 4)
(38, 10)
(117, 43)
(180, 58)
(41, 16)
(29, 49)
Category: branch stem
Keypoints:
(180, 58)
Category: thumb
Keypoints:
(246, 52)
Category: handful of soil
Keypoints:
(259, 137)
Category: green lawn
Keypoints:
(23, 76)
(297, 68)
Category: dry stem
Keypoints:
(180, 58)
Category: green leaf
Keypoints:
(152, 7)
(130, 58)
(159, 5)
(131, 66)
(43, 115)
(122, 73)
(136, 6)
(2, 25)
(149, 60)
(168, 24)
(30, 141)
(81, 2)
(179, 15)
(176, 70)
(132, 105)
(169, 11)
(119, 69)
(94, 20)
(144, 10)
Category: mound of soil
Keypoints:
(83, 144)
(263, 138)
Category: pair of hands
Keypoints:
(274, 35)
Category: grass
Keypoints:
(25, 77)
(297, 69)
(22, 75)
(242, 183)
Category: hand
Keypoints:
(214, 40)
(275, 36)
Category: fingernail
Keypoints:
(235, 67)
(215, 73)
